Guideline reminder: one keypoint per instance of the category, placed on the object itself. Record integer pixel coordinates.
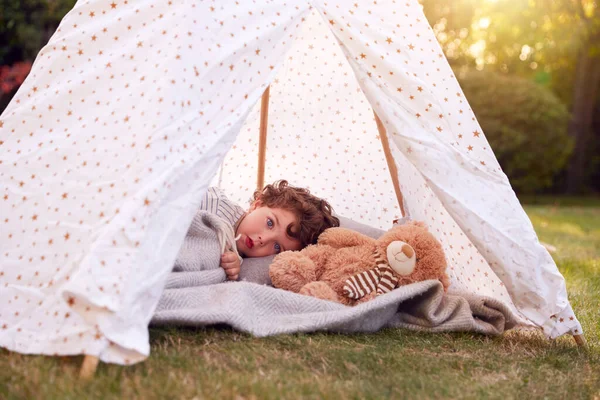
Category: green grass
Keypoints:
(221, 363)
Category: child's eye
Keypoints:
(270, 222)
(277, 248)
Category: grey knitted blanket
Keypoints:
(199, 258)
(195, 295)
(263, 310)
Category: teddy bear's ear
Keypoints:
(342, 237)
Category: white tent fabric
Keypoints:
(132, 106)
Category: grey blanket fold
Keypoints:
(195, 278)
(262, 310)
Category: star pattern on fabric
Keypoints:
(132, 104)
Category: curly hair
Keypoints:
(313, 214)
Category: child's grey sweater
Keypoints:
(199, 258)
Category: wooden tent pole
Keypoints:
(88, 367)
(390, 161)
(262, 141)
(580, 340)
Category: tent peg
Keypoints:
(88, 367)
(580, 340)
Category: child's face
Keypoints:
(263, 232)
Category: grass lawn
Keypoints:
(221, 363)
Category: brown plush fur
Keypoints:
(321, 270)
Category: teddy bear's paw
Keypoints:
(291, 270)
(367, 297)
(320, 290)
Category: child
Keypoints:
(280, 218)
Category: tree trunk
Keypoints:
(586, 88)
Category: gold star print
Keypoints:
(476, 133)
(113, 5)
(146, 202)
(470, 148)
(389, 40)
(67, 236)
(92, 14)
(332, 22)
(363, 55)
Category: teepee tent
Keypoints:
(134, 106)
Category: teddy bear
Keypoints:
(349, 268)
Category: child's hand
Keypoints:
(231, 264)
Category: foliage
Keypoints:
(542, 40)
(451, 21)
(12, 77)
(525, 124)
(537, 39)
(26, 25)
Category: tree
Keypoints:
(586, 88)
(556, 43)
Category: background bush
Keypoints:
(525, 123)
(26, 26)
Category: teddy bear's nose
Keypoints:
(401, 257)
